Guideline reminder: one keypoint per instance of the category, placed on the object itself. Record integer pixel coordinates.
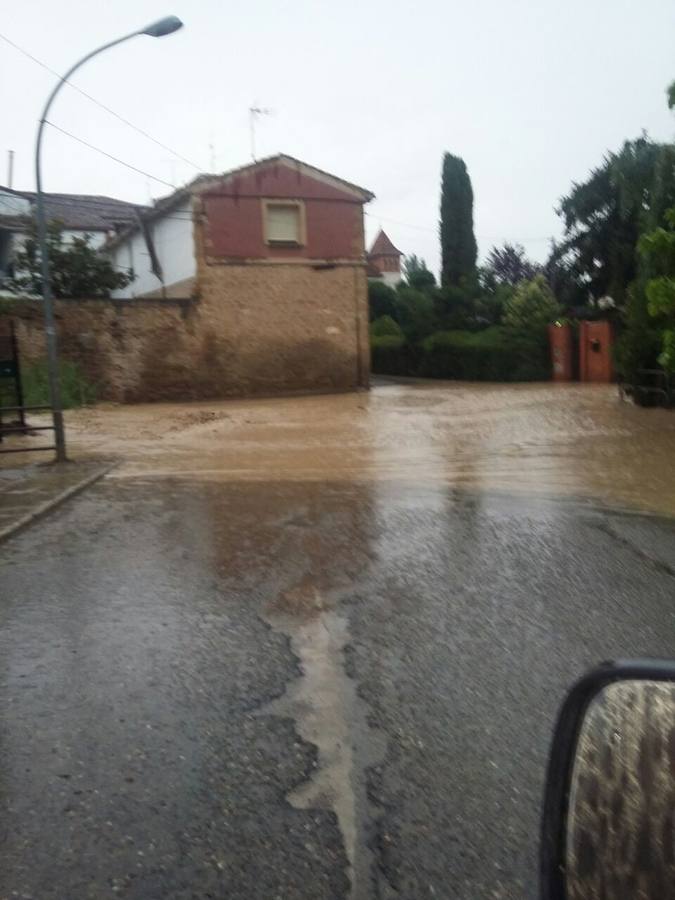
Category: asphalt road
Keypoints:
(160, 740)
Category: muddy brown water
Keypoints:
(571, 440)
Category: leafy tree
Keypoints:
(76, 268)
(416, 273)
(639, 344)
(657, 250)
(458, 242)
(564, 277)
(415, 312)
(604, 215)
(662, 193)
(532, 307)
(648, 337)
(507, 265)
(381, 300)
(504, 268)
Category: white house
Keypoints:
(79, 215)
(159, 246)
(158, 249)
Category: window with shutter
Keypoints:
(283, 223)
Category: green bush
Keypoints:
(494, 354)
(385, 326)
(381, 300)
(75, 389)
(532, 307)
(415, 311)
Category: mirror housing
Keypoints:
(616, 695)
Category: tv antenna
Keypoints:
(254, 113)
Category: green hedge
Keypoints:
(391, 355)
(494, 354)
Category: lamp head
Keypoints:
(167, 25)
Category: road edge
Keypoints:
(44, 508)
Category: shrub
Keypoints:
(381, 300)
(75, 389)
(640, 341)
(532, 307)
(385, 326)
(489, 355)
(415, 311)
(388, 341)
(459, 307)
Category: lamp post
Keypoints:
(157, 29)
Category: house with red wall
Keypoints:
(273, 256)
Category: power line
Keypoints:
(404, 224)
(486, 237)
(112, 112)
(110, 156)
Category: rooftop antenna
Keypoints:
(253, 114)
(212, 155)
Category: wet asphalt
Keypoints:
(147, 635)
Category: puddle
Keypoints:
(570, 440)
(327, 712)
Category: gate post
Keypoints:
(560, 338)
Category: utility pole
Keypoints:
(10, 168)
(158, 29)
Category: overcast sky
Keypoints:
(530, 94)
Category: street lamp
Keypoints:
(158, 29)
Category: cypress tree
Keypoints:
(458, 242)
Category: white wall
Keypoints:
(174, 245)
(391, 278)
(96, 238)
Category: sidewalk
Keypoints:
(32, 491)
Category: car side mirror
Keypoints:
(608, 828)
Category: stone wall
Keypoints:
(287, 327)
(254, 329)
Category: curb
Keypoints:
(39, 511)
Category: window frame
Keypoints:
(269, 203)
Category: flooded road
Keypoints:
(314, 647)
(571, 440)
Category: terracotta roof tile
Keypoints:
(382, 246)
